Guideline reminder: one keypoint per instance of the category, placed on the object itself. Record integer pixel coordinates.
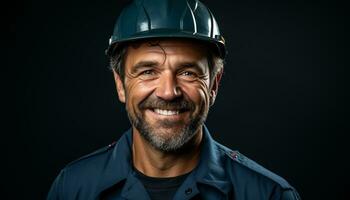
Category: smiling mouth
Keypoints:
(167, 112)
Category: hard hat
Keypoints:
(143, 19)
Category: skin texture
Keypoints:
(171, 76)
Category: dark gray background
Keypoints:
(281, 100)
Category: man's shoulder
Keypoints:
(245, 169)
(88, 175)
(91, 160)
(83, 175)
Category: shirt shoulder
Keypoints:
(242, 166)
(247, 175)
(81, 175)
(97, 154)
(91, 162)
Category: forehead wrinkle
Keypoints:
(172, 47)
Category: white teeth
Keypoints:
(166, 112)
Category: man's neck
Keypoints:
(155, 163)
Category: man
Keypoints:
(167, 60)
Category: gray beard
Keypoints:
(163, 141)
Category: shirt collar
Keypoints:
(209, 171)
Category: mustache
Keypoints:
(153, 102)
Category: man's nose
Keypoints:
(168, 88)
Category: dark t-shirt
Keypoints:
(161, 188)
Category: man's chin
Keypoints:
(172, 142)
(167, 131)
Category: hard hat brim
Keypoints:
(115, 42)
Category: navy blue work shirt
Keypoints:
(221, 174)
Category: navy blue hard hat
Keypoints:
(146, 19)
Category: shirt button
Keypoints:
(234, 155)
(112, 144)
(188, 191)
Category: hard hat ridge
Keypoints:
(146, 19)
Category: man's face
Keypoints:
(166, 91)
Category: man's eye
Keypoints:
(147, 72)
(188, 73)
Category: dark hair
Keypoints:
(117, 60)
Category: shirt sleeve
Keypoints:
(56, 190)
(290, 195)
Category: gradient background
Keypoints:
(281, 100)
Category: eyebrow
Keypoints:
(181, 65)
(144, 64)
(195, 65)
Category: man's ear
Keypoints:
(215, 87)
(120, 86)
